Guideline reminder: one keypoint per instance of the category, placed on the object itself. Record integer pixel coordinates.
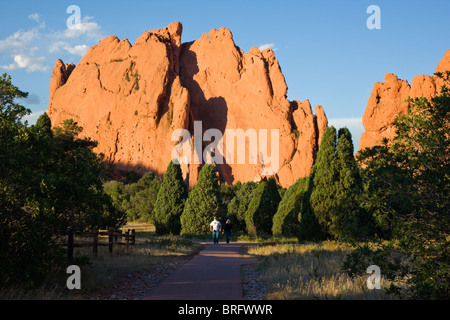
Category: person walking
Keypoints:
(227, 229)
(215, 226)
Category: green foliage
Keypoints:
(325, 174)
(170, 201)
(350, 220)
(337, 189)
(143, 195)
(286, 220)
(120, 198)
(50, 183)
(9, 109)
(203, 204)
(309, 228)
(239, 204)
(135, 195)
(229, 192)
(129, 177)
(262, 208)
(43, 125)
(407, 184)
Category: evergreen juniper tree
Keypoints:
(349, 218)
(325, 174)
(170, 201)
(203, 204)
(262, 208)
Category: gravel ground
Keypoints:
(135, 286)
(252, 285)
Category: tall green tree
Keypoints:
(170, 201)
(262, 208)
(325, 173)
(337, 188)
(203, 204)
(349, 220)
(408, 180)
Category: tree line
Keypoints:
(322, 206)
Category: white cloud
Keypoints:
(75, 50)
(19, 40)
(66, 40)
(28, 62)
(267, 46)
(34, 17)
(87, 28)
(23, 45)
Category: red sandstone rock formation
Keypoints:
(131, 99)
(388, 100)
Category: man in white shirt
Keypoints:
(215, 227)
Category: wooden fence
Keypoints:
(128, 238)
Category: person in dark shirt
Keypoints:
(227, 229)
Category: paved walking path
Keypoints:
(214, 274)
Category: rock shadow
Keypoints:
(213, 112)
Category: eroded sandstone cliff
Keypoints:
(388, 99)
(131, 98)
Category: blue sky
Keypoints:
(326, 52)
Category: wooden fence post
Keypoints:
(127, 237)
(133, 237)
(95, 247)
(70, 245)
(110, 241)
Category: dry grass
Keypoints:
(311, 271)
(149, 250)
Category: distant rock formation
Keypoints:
(131, 98)
(388, 100)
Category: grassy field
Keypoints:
(310, 271)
